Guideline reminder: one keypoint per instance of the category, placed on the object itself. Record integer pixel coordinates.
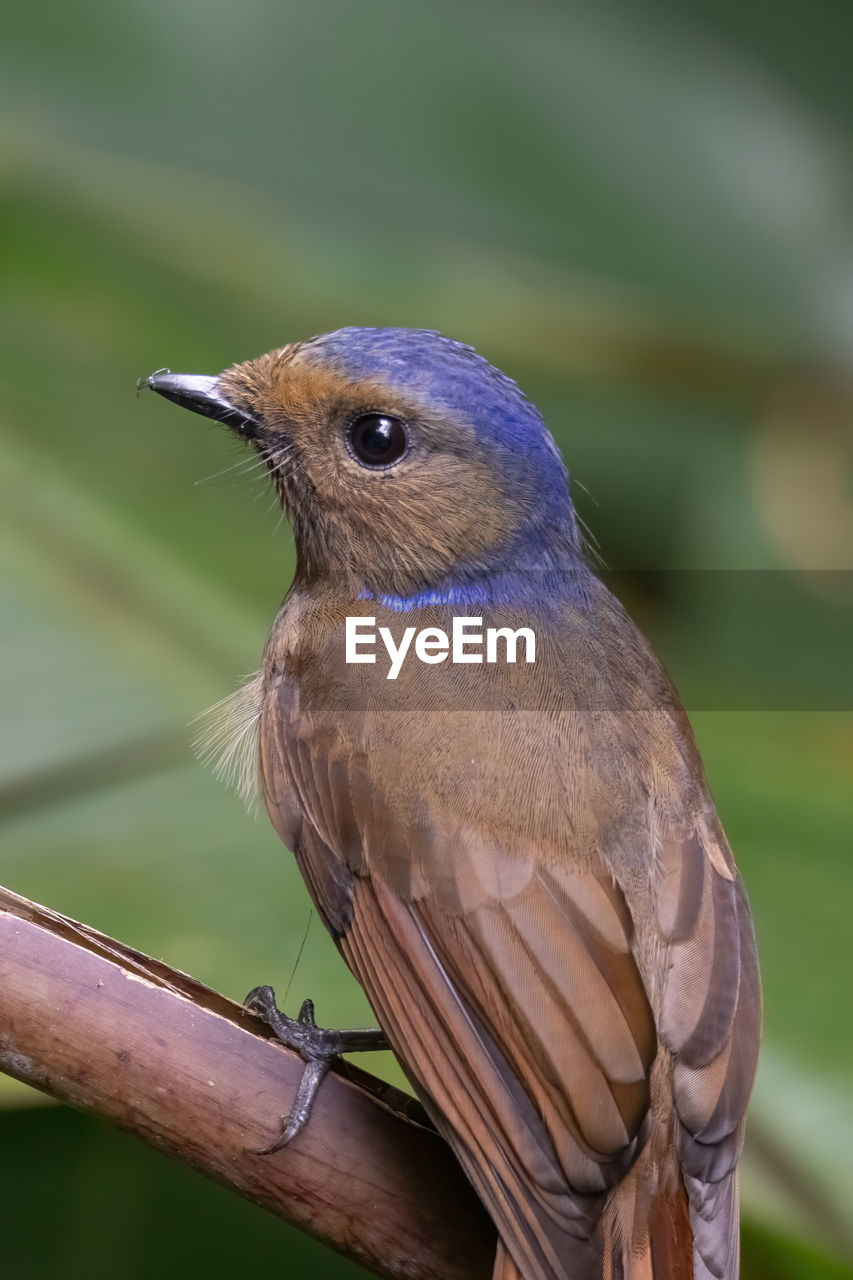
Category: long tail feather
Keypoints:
(653, 1242)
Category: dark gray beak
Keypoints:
(200, 393)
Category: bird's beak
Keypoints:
(199, 392)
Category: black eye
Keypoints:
(378, 440)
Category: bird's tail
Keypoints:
(651, 1241)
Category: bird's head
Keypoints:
(404, 459)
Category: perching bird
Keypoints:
(519, 861)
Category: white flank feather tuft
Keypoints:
(227, 738)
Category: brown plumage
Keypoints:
(521, 864)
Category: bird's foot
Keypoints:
(317, 1046)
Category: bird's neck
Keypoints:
(541, 561)
(528, 575)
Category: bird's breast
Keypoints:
(401, 771)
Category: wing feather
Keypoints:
(477, 1101)
(711, 1021)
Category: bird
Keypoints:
(519, 860)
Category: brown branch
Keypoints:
(107, 1029)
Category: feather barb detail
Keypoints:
(227, 738)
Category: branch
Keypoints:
(107, 1029)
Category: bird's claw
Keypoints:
(297, 1117)
(317, 1046)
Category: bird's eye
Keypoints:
(378, 439)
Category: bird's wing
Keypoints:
(505, 981)
(710, 1019)
(526, 1027)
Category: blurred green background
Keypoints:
(641, 212)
